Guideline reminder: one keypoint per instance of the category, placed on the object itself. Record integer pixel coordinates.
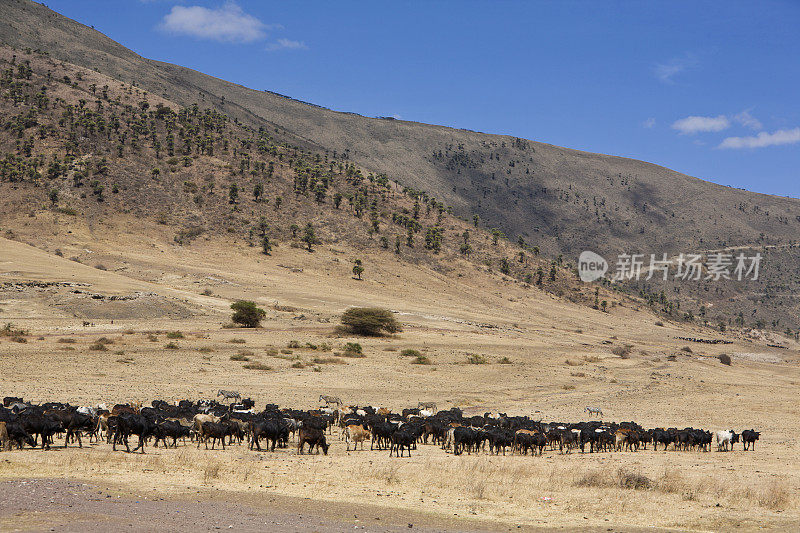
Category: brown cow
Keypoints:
(5, 441)
(356, 433)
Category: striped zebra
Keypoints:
(229, 394)
(593, 411)
(330, 399)
(428, 406)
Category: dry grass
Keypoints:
(476, 359)
(328, 361)
(257, 366)
(623, 352)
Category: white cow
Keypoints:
(724, 438)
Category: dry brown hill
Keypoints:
(560, 200)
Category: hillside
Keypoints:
(558, 200)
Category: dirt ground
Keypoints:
(558, 361)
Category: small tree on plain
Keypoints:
(372, 321)
(247, 313)
(358, 268)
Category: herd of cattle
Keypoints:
(209, 422)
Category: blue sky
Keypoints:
(706, 88)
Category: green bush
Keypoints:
(410, 352)
(476, 359)
(353, 349)
(372, 321)
(247, 314)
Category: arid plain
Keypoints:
(558, 361)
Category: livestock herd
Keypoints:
(209, 422)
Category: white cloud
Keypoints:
(287, 44)
(649, 123)
(694, 124)
(763, 139)
(747, 120)
(666, 71)
(227, 23)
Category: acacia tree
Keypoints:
(247, 313)
(370, 321)
(358, 268)
(309, 237)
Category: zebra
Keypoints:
(330, 399)
(593, 411)
(229, 394)
(428, 406)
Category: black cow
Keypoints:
(273, 430)
(399, 440)
(172, 430)
(18, 435)
(132, 424)
(749, 437)
(43, 426)
(314, 437)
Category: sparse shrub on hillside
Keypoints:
(66, 340)
(257, 366)
(370, 321)
(410, 352)
(505, 361)
(476, 359)
(171, 346)
(9, 330)
(353, 349)
(328, 361)
(293, 344)
(98, 346)
(247, 314)
(725, 359)
(239, 357)
(237, 340)
(624, 352)
(174, 335)
(421, 360)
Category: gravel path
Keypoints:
(63, 505)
